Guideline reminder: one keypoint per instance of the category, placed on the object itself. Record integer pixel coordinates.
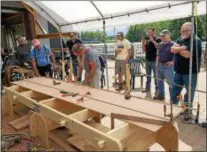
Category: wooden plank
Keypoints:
(77, 141)
(83, 115)
(20, 123)
(106, 121)
(114, 98)
(94, 136)
(128, 77)
(89, 104)
(98, 126)
(130, 135)
(133, 118)
(59, 142)
(52, 35)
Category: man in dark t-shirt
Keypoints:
(182, 63)
(23, 51)
(70, 43)
(149, 46)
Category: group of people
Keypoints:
(42, 60)
(168, 60)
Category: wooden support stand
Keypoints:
(39, 126)
(52, 110)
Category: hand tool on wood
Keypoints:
(135, 118)
(82, 98)
(56, 83)
(66, 93)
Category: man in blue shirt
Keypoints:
(40, 56)
(165, 64)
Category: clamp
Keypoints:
(82, 98)
(56, 83)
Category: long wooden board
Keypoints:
(149, 107)
(44, 85)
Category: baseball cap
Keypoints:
(164, 32)
(120, 34)
(35, 42)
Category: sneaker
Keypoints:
(161, 98)
(146, 90)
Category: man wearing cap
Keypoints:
(182, 63)
(165, 64)
(89, 61)
(149, 46)
(122, 53)
(23, 51)
(40, 56)
(70, 43)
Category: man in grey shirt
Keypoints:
(23, 51)
(89, 61)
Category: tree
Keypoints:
(172, 25)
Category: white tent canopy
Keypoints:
(69, 16)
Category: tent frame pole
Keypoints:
(126, 13)
(62, 56)
(191, 57)
(104, 41)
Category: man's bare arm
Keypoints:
(53, 58)
(143, 45)
(185, 54)
(176, 48)
(154, 42)
(34, 66)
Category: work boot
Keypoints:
(158, 97)
(146, 90)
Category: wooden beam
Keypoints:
(28, 8)
(52, 35)
(41, 28)
(60, 143)
(11, 17)
(20, 123)
(135, 118)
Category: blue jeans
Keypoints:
(75, 69)
(183, 80)
(150, 66)
(164, 72)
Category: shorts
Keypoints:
(120, 67)
(44, 70)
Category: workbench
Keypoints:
(51, 110)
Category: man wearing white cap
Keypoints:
(122, 51)
(40, 56)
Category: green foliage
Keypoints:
(136, 32)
